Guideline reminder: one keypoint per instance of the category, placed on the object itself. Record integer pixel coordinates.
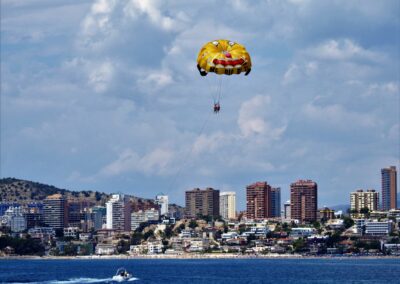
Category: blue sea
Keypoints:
(203, 271)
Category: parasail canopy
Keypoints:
(223, 57)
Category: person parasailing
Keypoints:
(217, 107)
(223, 57)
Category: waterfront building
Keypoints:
(43, 233)
(106, 249)
(286, 210)
(78, 214)
(362, 200)
(162, 201)
(98, 216)
(275, 200)
(118, 213)
(359, 225)
(85, 237)
(202, 202)
(154, 247)
(34, 215)
(378, 228)
(389, 188)
(301, 232)
(392, 249)
(303, 201)
(18, 224)
(14, 219)
(55, 211)
(227, 205)
(71, 232)
(258, 201)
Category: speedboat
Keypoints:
(122, 275)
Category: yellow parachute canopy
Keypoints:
(223, 57)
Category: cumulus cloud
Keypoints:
(252, 119)
(338, 116)
(211, 143)
(296, 72)
(390, 88)
(151, 9)
(100, 77)
(128, 161)
(107, 20)
(343, 49)
(154, 80)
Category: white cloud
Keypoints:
(252, 119)
(100, 76)
(155, 162)
(154, 80)
(342, 49)
(97, 26)
(338, 116)
(151, 9)
(296, 72)
(107, 20)
(210, 143)
(291, 74)
(391, 88)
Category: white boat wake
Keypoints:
(78, 280)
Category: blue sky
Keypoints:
(105, 95)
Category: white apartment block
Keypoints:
(162, 201)
(118, 213)
(376, 228)
(227, 205)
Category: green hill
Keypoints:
(25, 191)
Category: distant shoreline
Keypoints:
(194, 256)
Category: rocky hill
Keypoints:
(25, 191)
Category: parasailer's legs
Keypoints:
(217, 107)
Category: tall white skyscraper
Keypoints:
(227, 204)
(118, 213)
(162, 200)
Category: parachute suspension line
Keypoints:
(219, 89)
(189, 153)
(212, 87)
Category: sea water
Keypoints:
(192, 271)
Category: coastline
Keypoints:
(194, 256)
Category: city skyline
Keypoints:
(109, 97)
(281, 201)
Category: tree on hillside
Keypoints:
(347, 222)
(192, 224)
(148, 234)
